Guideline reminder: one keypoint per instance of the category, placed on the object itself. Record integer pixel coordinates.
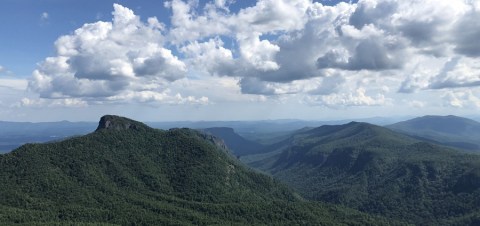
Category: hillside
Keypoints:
(126, 173)
(449, 130)
(236, 143)
(379, 171)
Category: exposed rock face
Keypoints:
(113, 122)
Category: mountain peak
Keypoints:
(114, 122)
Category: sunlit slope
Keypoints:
(376, 170)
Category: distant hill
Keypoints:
(379, 171)
(236, 143)
(126, 173)
(449, 130)
(15, 134)
(265, 130)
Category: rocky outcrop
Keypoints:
(113, 122)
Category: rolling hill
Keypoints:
(126, 173)
(379, 171)
(448, 130)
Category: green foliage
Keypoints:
(378, 171)
(128, 174)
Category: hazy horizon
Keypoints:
(361, 119)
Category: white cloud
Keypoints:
(458, 72)
(156, 97)
(416, 104)
(356, 98)
(108, 60)
(260, 54)
(18, 84)
(461, 99)
(42, 103)
(210, 57)
(342, 55)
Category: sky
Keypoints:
(238, 60)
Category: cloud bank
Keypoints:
(331, 56)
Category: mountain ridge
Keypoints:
(124, 174)
(236, 143)
(450, 130)
(377, 170)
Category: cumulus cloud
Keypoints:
(258, 57)
(467, 32)
(18, 84)
(458, 72)
(273, 48)
(210, 57)
(42, 103)
(367, 55)
(356, 98)
(107, 60)
(461, 99)
(156, 97)
(253, 85)
(328, 85)
(416, 104)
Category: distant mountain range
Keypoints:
(126, 173)
(236, 143)
(449, 130)
(15, 134)
(379, 171)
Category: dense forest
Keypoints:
(126, 173)
(378, 171)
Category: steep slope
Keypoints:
(376, 170)
(448, 130)
(236, 143)
(127, 173)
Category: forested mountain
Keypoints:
(448, 130)
(236, 143)
(379, 171)
(129, 174)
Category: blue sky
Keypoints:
(229, 60)
(33, 26)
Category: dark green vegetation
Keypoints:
(127, 173)
(376, 170)
(236, 143)
(449, 130)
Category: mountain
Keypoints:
(236, 143)
(126, 173)
(448, 130)
(379, 171)
(262, 131)
(15, 134)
